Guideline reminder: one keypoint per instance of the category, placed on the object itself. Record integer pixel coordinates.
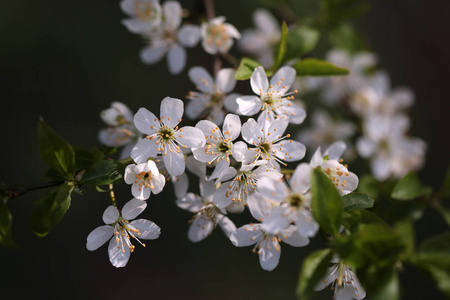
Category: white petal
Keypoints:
(189, 35)
(172, 12)
(176, 59)
(248, 105)
(171, 111)
(145, 121)
(180, 185)
(232, 126)
(226, 175)
(207, 189)
(225, 80)
(301, 178)
(266, 22)
(174, 161)
(295, 113)
(250, 131)
(133, 208)
(276, 129)
(259, 206)
(346, 292)
(365, 147)
(99, 236)
(209, 129)
(140, 192)
(317, 158)
(135, 25)
(242, 154)
(259, 81)
(381, 169)
(283, 79)
(276, 221)
(118, 257)
(292, 237)
(289, 150)
(196, 167)
(226, 225)
(220, 199)
(246, 235)
(147, 229)
(130, 174)
(335, 150)
(273, 189)
(269, 257)
(230, 103)
(306, 225)
(200, 229)
(127, 6)
(190, 202)
(191, 137)
(221, 166)
(110, 215)
(329, 278)
(143, 150)
(152, 54)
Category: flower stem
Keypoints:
(113, 197)
(14, 192)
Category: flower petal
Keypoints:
(176, 59)
(189, 35)
(172, 12)
(335, 150)
(191, 137)
(143, 150)
(180, 185)
(118, 256)
(232, 126)
(283, 79)
(270, 256)
(200, 228)
(248, 105)
(289, 150)
(259, 81)
(147, 229)
(292, 237)
(174, 161)
(301, 178)
(140, 192)
(276, 221)
(145, 121)
(225, 80)
(99, 236)
(246, 235)
(110, 215)
(171, 111)
(226, 225)
(152, 54)
(133, 208)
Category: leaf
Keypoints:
(103, 172)
(326, 203)
(246, 68)
(368, 185)
(317, 67)
(438, 243)
(445, 213)
(380, 283)
(313, 270)
(405, 231)
(280, 51)
(51, 208)
(346, 37)
(409, 187)
(301, 40)
(5, 225)
(437, 267)
(357, 201)
(445, 188)
(55, 151)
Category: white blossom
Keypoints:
(266, 244)
(217, 36)
(213, 95)
(168, 38)
(342, 281)
(145, 15)
(206, 215)
(273, 99)
(145, 179)
(121, 231)
(164, 137)
(261, 40)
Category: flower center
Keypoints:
(296, 200)
(166, 134)
(265, 148)
(144, 11)
(217, 34)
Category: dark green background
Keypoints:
(68, 60)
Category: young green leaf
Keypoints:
(5, 225)
(103, 172)
(51, 208)
(246, 68)
(409, 187)
(317, 67)
(438, 243)
(280, 51)
(326, 204)
(313, 270)
(357, 201)
(55, 151)
(300, 41)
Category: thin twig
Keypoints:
(14, 192)
(113, 197)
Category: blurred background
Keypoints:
(68, 60)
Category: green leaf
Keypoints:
(301, 40)
(357, 201)
(55, 151)
(313, 270)
(103, 172)
(326, 204)
(437, 267)
(246, 68)
(280, 51)
(380, 283)
(405, 231)
(445, 213)
(445, 188)
(368, 185)
(51, 208)
(5, 225)
(317, 67)
(438, 243)
(409, 187)
(346, 37)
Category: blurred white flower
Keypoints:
(217, 36)
(213, 95)
(145, 15)
(261, 40)
(272, 99)
(164, 136)
(121, 232)
(168, 38)
(267, 245)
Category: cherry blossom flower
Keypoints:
(213, 95)
(145, 15)
(237, 185)
(291, 205)
(329, 162)
(167, 38)
(164, 136)
(219, 146)
(217, 36)
(206, 215)
(267, 245)
(145, 179)
(272, 98)
(260, 41)
(342, 281)
(270, 143)
(121, 231)
(120, 130)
